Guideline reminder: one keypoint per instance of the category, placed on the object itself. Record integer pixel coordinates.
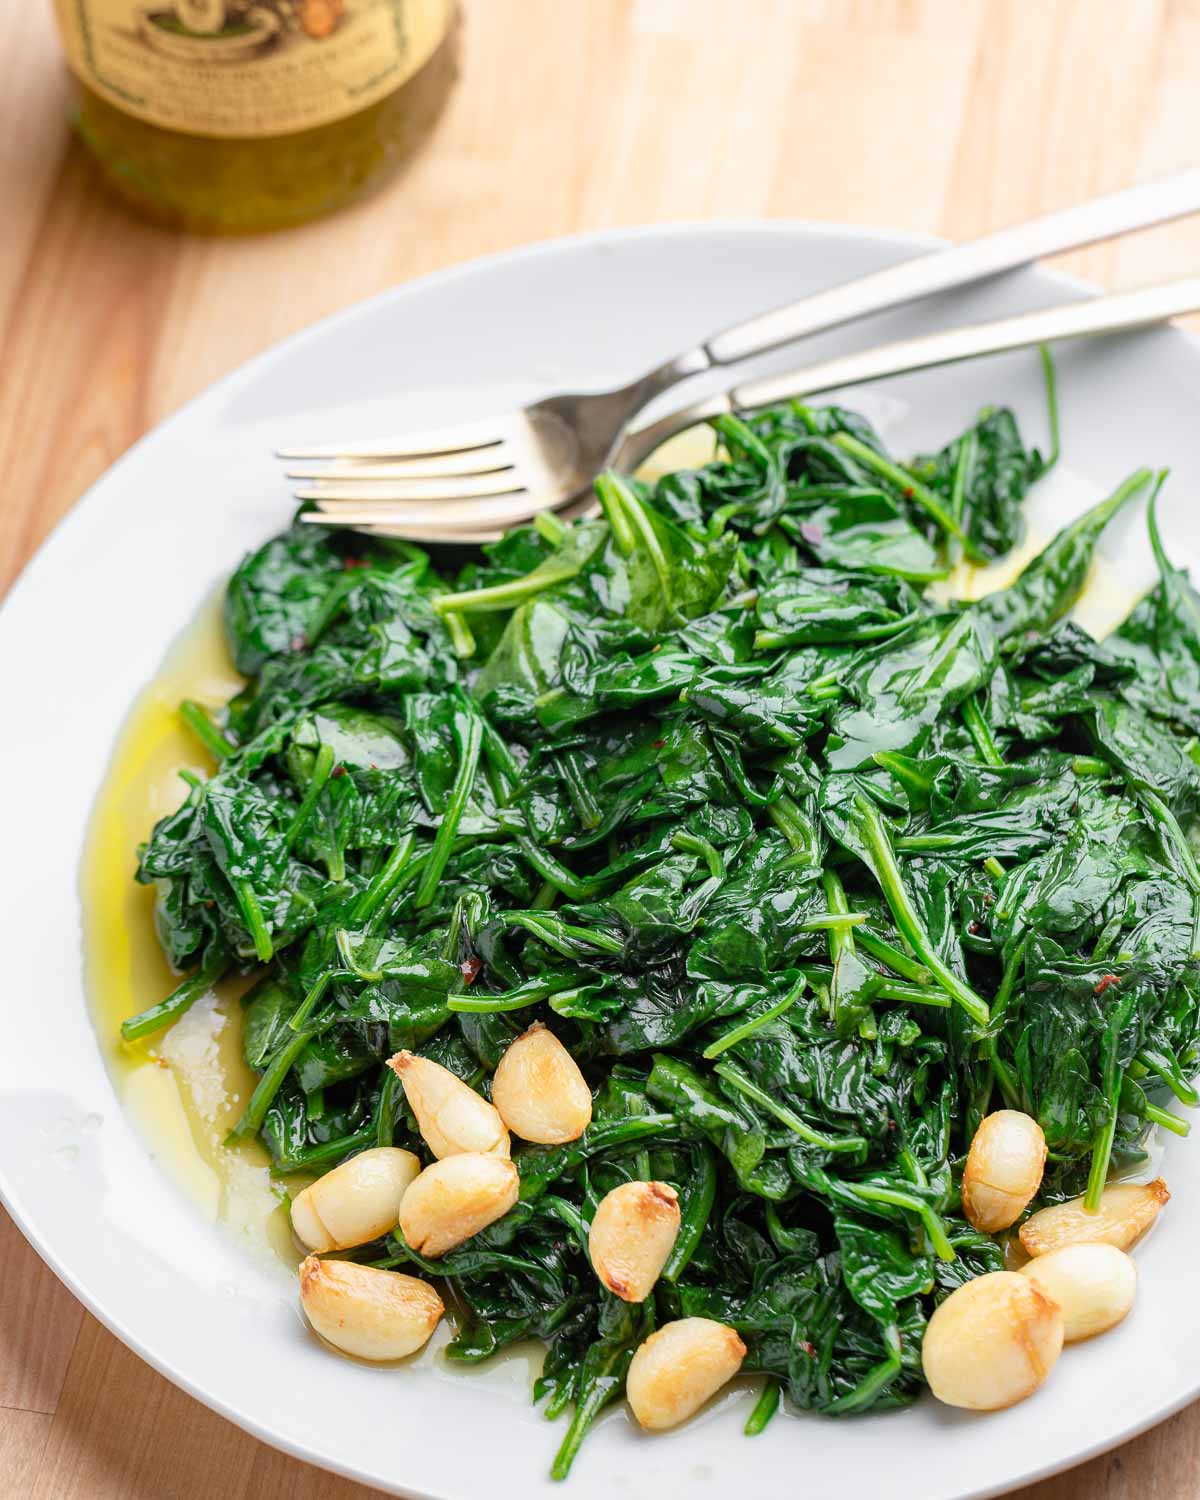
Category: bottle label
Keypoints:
(248, 67)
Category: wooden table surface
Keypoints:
(953, 116)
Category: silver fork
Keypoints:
(1116, 313)
(474, 479)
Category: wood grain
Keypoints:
(951, 116)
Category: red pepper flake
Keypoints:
(470, 969)
(660, 744)
(1109, 979)
(299, 643)
(909, 491)
(353, 562)
(974, 928)
(336, 772)
(808, 1349)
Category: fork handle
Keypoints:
(1114, 313)
(1110, 314)
(1068, 229)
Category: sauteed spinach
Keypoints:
(807, 869)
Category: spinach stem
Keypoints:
(253, 918)
(887, 872)
(503, 764)
(384, 882)
(558, 1402)
(934, 1227)
(841, 923)
(606, 1384)
(911, 994)
(329, 1151)
(461, 637)
(1112, 1081)
(980, 731)
(886, 953)
(272, 1078)
(566, 1211)
(906, 482)
(743, 1029)
(306, 1007)
(549, 527)
(764, 1408)
(321, 771)
(795, 827)
(201, 723)
(532, 992)
(547, 896)
(1052, 413)
(587, 809)
(1000, 1069)
(385, 1110)
(562, 936)
(645, 534)
(909, 773)
(1167, 1069)
(1008, 980)
(178, 1002)
(506, 596)
(1168, 1121)
(612, 503)
(549, 868)
(744, 1085)
(877, 1379)
(699, 1195)
(736, 432)
(913, 1168)
(690, 843)
(1098, 1172)
(443, 841)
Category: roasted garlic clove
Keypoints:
(1094, 1284)
(678, 1368)
(540, 1092)
(1003, 1169)
(356, 1202)
(370, 1313)
(1126, 1211)
(633, 1233)
(455, 1198)
(992, 1342)
(452, 1117)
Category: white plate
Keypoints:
(87, 626)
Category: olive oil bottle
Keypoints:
(226, 116)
